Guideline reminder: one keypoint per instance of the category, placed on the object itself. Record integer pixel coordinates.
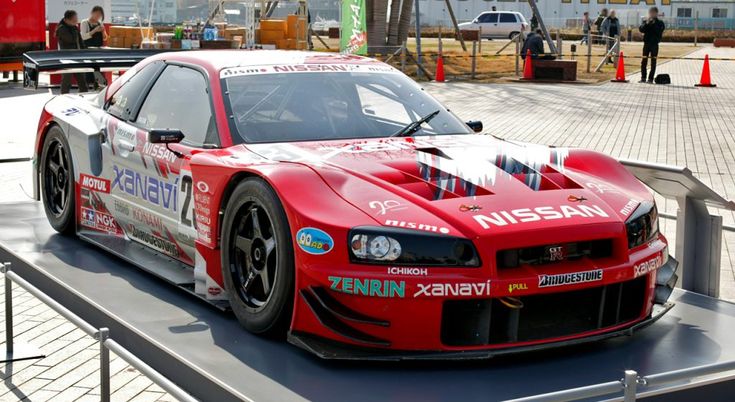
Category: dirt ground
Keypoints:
(492, 67)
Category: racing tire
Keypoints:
(57, 182)
(257, 259)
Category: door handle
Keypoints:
(126, 146)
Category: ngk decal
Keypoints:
(648, 266)
(94, 183)
(99, 220)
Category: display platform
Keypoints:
(206, 352)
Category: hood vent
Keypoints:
(467, 173)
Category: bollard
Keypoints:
(102, 335)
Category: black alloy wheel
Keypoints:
(57, 181)
(253, 260)
(257, 258)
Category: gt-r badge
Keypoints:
(314, 241)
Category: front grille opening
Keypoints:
(554, 253)
(489, 322)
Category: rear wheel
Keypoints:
(512, 34)
(57, 181)
(257, 259)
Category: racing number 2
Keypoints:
(187, 213)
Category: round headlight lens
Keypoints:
(375, 248)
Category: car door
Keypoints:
(153, 182)
(507, 24)
(488, 24)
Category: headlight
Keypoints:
(377, 245)
(642, 225)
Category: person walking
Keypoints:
(68, 37)
(586, 27)
(94, 35)
(611, 29)
(652, 30)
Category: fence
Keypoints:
(632, 383)
(106, 344)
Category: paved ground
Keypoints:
(676, 124)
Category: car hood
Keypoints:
(466, 185)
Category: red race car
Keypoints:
(329, 198)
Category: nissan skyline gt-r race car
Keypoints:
(330, 199)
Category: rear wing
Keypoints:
(78, 61)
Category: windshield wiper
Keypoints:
(414, 126)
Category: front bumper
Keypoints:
(328, 349)
(399, 321)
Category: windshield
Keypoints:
(304, 106)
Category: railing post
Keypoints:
(8, 310)
(518, 54)
(589, 49)
(102, 335)
(474, 58)
(630, 381)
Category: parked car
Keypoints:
(497, 24)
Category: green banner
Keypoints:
(353, 39)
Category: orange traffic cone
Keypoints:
(439, 69)
(527, 67)
(705, 80)
(620, 74)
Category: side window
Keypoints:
(121, 104)
(507, 17)
(180, 100)
(489, 18)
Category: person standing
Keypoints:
(652, 30)
(586, 27)
(94, 35)
(68, 37)
(600, 17)
(611, 29)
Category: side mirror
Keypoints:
(475, 125)
(165, 136)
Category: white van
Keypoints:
(497, 24)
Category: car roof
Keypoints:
(217, 60)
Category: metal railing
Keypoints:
(106, 344)
(632, 383)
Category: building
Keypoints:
(712, 14)
(129, 11)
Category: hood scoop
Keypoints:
(462, 172)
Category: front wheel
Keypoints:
(57, 181)
(257, 259)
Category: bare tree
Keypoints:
(395, 12)
(404, 21)
(376, 22)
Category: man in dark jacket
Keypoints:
(535, 43)
(68, 37)
(653, 30)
